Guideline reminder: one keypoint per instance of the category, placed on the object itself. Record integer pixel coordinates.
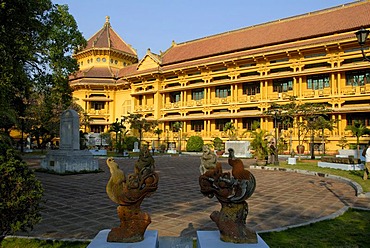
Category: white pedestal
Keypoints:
(100, 241)
(292, 160)
(211, 239)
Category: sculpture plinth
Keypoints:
(232, 192)
(129, 193)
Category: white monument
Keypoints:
(136, 147)
(69, 157)
(241, 149)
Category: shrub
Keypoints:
(20, 195)
(129, 141)
(218, 144)
(194, 144)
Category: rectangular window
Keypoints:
(220, 123)
(248, 122)
(223, 91)
(358, 78)
(362, 117)
(97, 105)
(197, 125)
(140, 100)
(283, 85)
(197, 94)
(252, 88)
(175, 96)
(317, 82)
(97, 128)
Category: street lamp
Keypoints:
(362, 35)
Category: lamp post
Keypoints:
(276, 154)
(362, 35)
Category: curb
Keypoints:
(357, 187)
(329, 217)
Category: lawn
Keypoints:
(352, 229)
(311, 165)
(36, 243)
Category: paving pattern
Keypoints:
(77, 206)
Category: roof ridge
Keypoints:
(128, 45)
(107, 24)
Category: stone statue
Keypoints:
(208, 160)
(231, 190)
(129, 191)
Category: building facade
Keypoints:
(232, 77)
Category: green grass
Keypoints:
(35, 243)
(352, 229)
(312, 166)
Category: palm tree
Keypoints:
(358, 129)
(260, 143)
(158, 132)
(230, 129)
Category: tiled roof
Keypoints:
(95, 72)
(106, 37)
(330, 21)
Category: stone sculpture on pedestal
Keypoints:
(129, 191)
(69, 157)
(231, 190)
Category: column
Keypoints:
(181, 98)
(232, 92)
(205, 127)
(332, 84)
(340, 125)
(294, 86)
(339, 91)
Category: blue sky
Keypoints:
(155, 23)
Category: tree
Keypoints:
(139, 123)
(177, 126)
(37, 39)
(118, 128)
(343, 142)
(303, 117)
(321, 124)
(20, 195)
(158, 132)
(358, 129)
(230, 130)
(259, 143)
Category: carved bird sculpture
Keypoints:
(116, 183)
(246, 180)
(237, 165)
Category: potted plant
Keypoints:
(218, 145)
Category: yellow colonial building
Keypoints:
(232, 77)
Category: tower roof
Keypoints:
(106, 37)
